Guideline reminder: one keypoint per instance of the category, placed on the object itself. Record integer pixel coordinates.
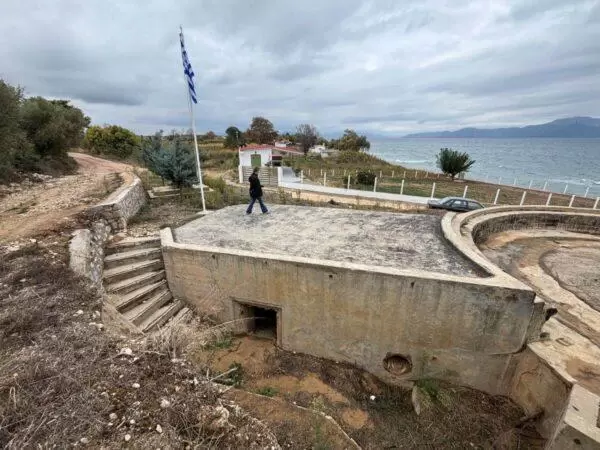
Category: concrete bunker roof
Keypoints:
(402, 241)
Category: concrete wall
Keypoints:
(121, 205)
(451, 328)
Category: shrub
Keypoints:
(365, 178)
(111, 140)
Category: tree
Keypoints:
(52, 126)
(111, 140)
(210, 136)
(175, 163)
(234, 138)
(261, 131)
(15, 150)
(453, 162)
(306, 136)
(351, 141)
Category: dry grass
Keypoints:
(63, 380)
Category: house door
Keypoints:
(255, 160)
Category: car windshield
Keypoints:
(446, 200)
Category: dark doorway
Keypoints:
(265, 322)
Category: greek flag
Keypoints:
(187, 70)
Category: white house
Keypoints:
(322, 150)
(262, 155)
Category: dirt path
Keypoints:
(32, 209)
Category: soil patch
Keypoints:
(374, 414)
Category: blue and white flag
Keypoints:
(187, 70)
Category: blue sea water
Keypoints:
(559, 162)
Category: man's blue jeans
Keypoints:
(263, 207)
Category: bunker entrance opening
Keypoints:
(260, 322)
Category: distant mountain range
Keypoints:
(572, 127)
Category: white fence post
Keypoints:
(402, 187)
(309, 172)
(333, 172)
(279, 175)
(515, 182)
(404, 174)
(499, 180)
(348, 185)
(566, 187)
(325, 179)
(380, 174)
(302, 177)
(496, 197)
(572, 200)
(530, 184)
(375, 185)
(433, 190)
(321, 171)
(416, 174)
(523, 198)
(549, 198)
(392, 174)
(465, 191)
(596, 202)
(587, 191)
(241, 174)
(545, 185)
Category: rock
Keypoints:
(127, 437)
(164, 403)
(159, 429)
(79, 312)
(217, 418)
(126, 351)
(416, 401)
(132, 422)
(113, 416)
(84, 440)
(372, 397)
(136, 385)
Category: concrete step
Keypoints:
(131, 270)
(128, 301)
(128, 244)
(132, 284)
(182, 316)
(160, 317)
(131, 256)
(145, 310)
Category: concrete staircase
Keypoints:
(135, 279)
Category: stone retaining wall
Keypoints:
(120, 206)
(110, 216)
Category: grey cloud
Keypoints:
(378, 65)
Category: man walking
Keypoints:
(256, 193)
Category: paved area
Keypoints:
(403, 241)
(353, 192)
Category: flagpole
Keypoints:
(193, 119)
(197, 152)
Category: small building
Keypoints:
(322, 150)
(265, 155)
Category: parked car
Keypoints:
(457, 204)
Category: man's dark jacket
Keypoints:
(255, 187)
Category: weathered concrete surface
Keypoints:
(555, 251)
(455, 328)
(405, 241)
(86, 251)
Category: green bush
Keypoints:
(111, 140)
(365, 178)
(52, 126)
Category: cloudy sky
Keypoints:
(381, 67)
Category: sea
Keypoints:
(563, 165)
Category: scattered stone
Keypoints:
(127, 437)
(132, 422)
(164, 403)
(126, 351)
(84, 440)
(136, 385)
(79, 312)
(372, 397)
(113, 416)
(159, 429)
